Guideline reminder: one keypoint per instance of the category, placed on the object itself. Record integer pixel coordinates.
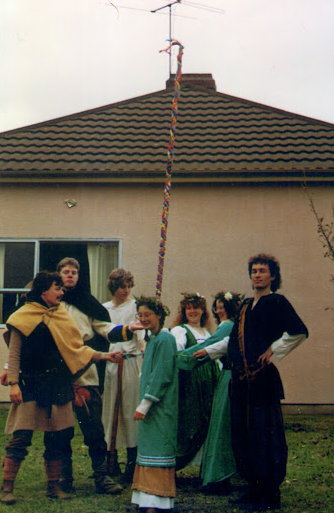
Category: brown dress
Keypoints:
(29, 415)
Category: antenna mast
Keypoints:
(170, 28)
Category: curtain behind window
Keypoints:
(102, 259)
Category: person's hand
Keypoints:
(15, 394)
(136, 326)
(115, 357)
(3, 378)
(200, 354)
(265, 357)
(138, 416)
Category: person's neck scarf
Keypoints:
(86, 303)
(62, 328)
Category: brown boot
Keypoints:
(7, 496)
(104, 483)
(10, 470)
(55, 492)
(53, 471)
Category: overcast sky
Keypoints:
(60, 57)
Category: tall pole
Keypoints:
(169, 168)
(170, 39)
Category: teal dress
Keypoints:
(218, 461)
(196, 390)
(157, 432)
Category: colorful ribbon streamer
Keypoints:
(169, 167)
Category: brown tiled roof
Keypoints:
(218, 138)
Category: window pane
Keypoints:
(18, 264)
(8, 303)
(96, 259)
(52, 252)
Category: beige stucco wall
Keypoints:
(212, 232)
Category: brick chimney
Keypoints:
(204, 80)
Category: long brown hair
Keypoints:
(197, 301)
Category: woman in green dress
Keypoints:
(218, 462)
(154, 478)
(196, 388)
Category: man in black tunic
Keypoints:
(267, 325)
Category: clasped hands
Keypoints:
(263, 359)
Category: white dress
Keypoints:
(126, 427)
(180, 335)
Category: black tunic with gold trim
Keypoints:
(258, 437)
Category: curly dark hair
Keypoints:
(42, 282)
(152, 303)
(118, 278)
(197, 301)
(274, 268)
(231, 301)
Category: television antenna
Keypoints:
(169, 6)
(195, 5)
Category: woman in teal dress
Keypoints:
(154, 478)
(218, 462)
(196, 388)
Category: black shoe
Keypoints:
(67, 485)
(274, 500)
(219, 488)
(249, 497)
(267, 504)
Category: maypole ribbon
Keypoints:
(169, 166)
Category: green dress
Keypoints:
(196, 390)
(157, 432)
(218, 460)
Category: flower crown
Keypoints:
(153, 304)
(234, 297)
(193, 296)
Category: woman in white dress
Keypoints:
(121, 384)
(196, 388)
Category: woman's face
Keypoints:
(149, 319)
(122, 293)
(220, 311)
(194, 314)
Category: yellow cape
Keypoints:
(62, 328)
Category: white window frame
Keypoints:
(38, 241)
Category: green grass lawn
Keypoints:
(309, 484)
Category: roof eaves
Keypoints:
(187, 177)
